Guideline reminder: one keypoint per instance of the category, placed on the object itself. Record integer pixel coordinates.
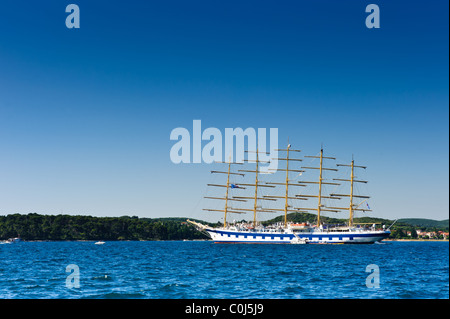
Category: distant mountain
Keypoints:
(312, 218)
(416, 222)
(424, 222)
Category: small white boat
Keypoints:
(14, 240)
(297, 240)
(99, 243)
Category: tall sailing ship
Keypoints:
(288, 232)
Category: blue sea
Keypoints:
(203, 270)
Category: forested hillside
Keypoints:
(68, 227)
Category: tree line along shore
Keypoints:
(80, 227)
(69, 227)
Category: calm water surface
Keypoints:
(201, 270)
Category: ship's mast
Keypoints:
(319, 202)
(350, 209)
(256, 185)
(287, 183)
(228, 185)
(226, 195)
(256, 190)
(287, 186)
(352, 180)
(320, 207)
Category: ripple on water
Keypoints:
(103, 278)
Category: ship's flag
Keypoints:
(234, 186)
(368, 205)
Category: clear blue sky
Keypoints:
(86, 114)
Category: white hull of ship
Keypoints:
(223, 235)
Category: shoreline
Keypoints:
(96, 240)
(198, 240)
